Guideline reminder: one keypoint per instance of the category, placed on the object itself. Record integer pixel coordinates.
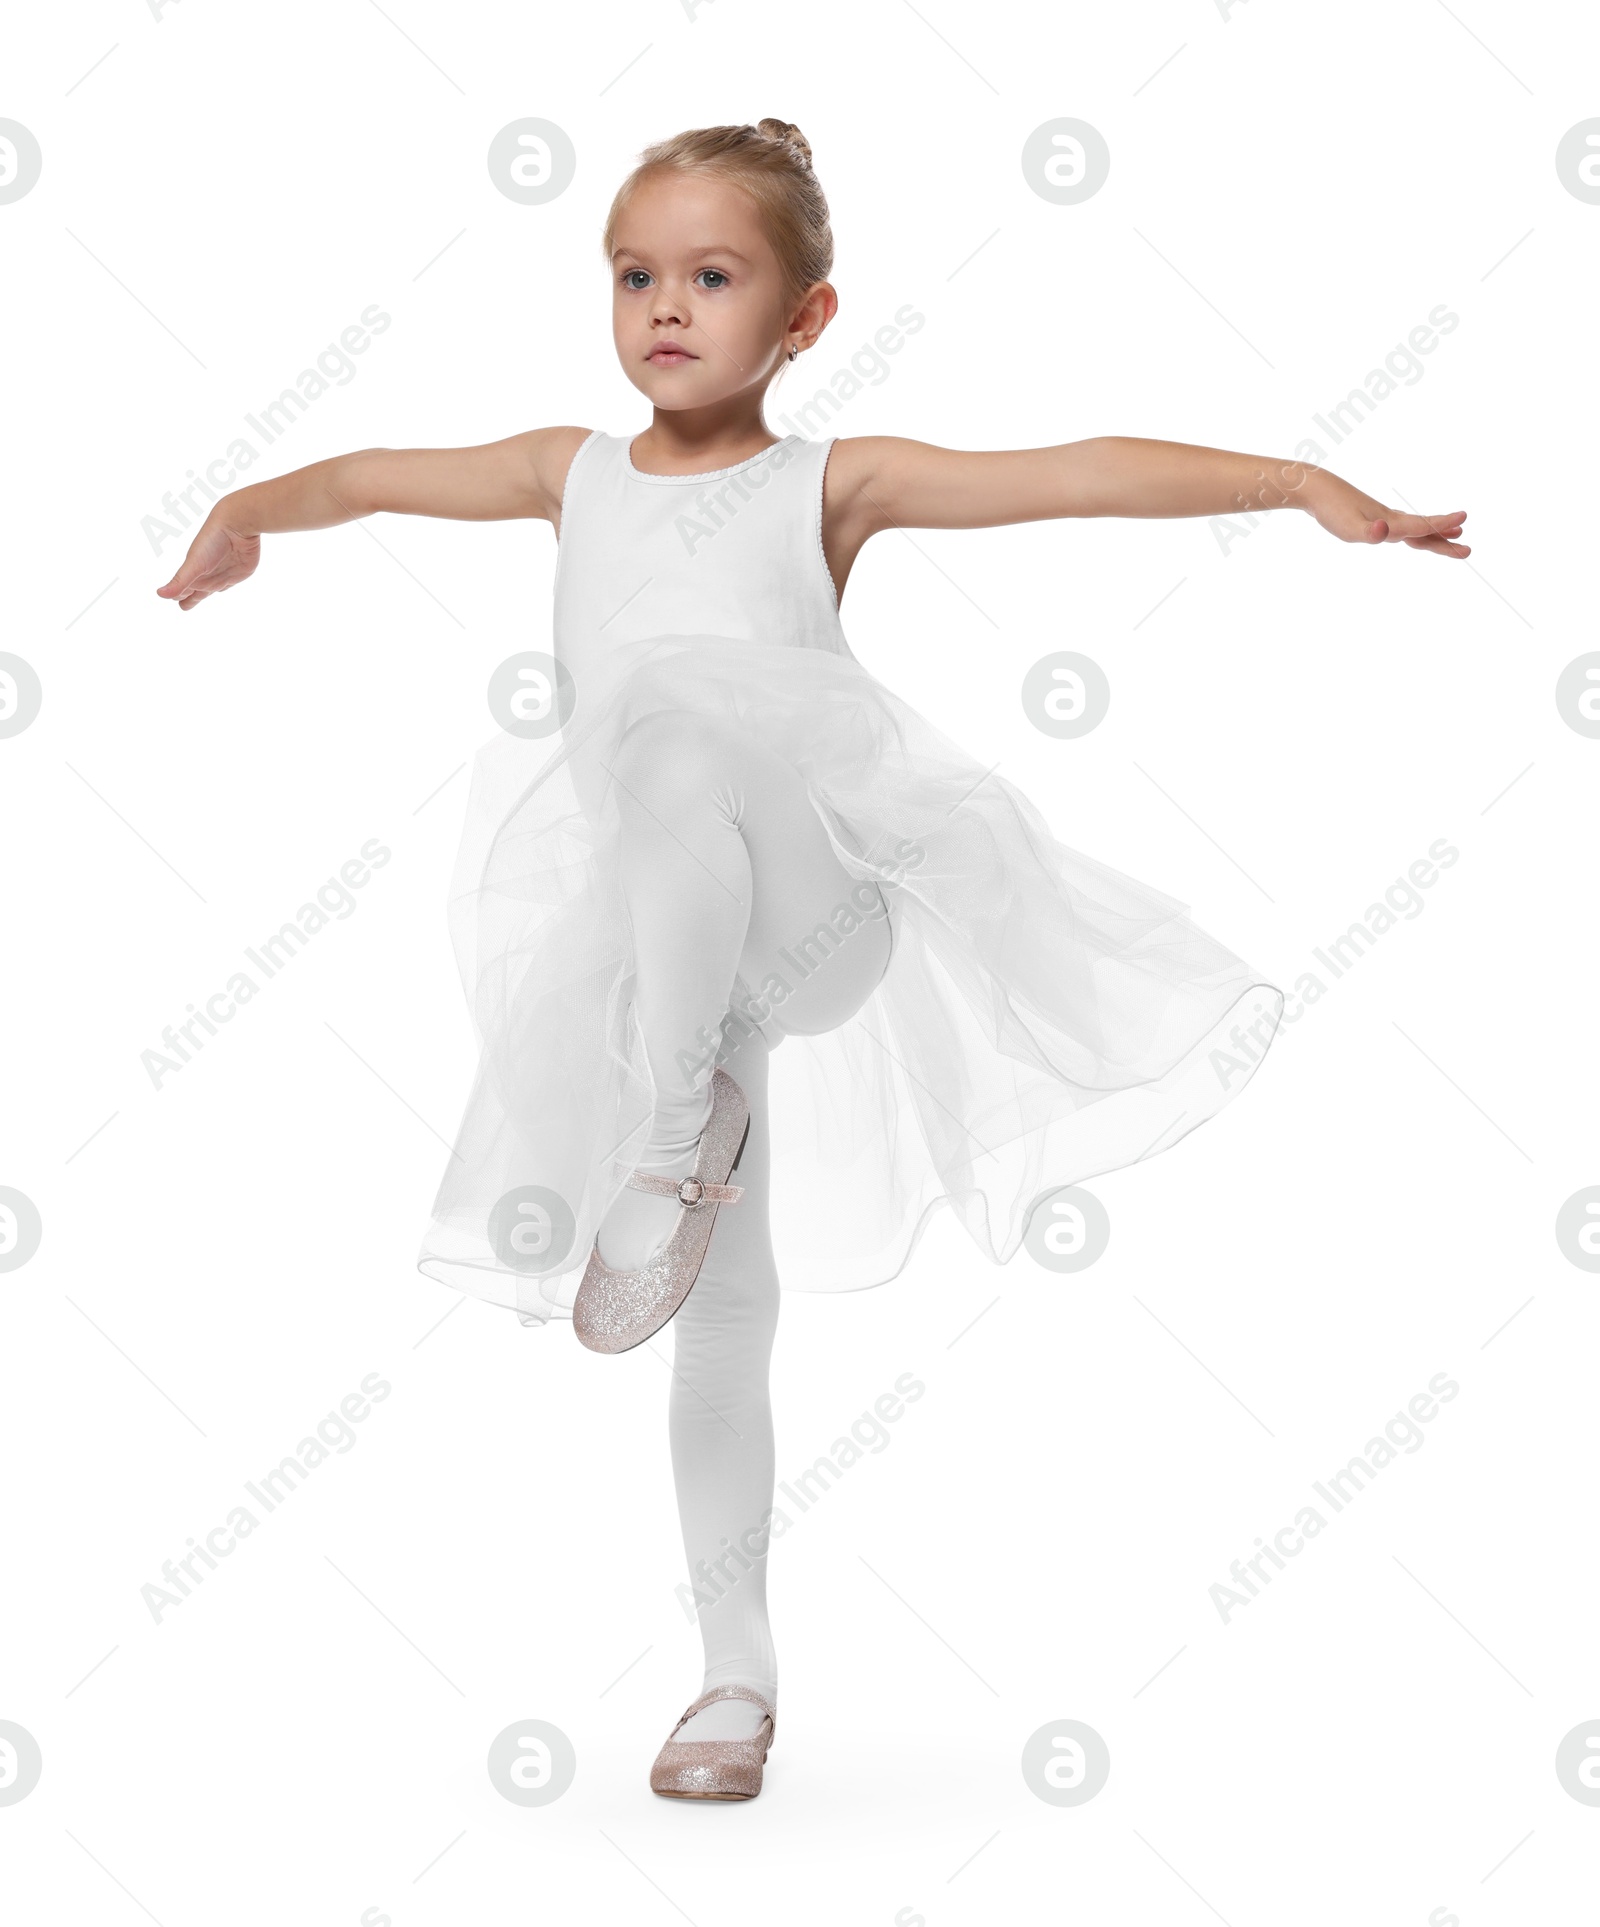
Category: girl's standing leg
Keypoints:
(720, 1424)
(726, 868)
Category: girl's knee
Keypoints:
(839, 964)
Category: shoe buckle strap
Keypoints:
(731, 1691)
(688, 1191)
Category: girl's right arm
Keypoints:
(520, 476)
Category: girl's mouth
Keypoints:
(670, 355)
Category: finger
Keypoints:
(190, 576)
(1403, 527)
(1437, 545)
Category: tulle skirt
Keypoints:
(1043, 1018)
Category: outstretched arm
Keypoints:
(520, 476)
(885, 482)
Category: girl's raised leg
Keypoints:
(725, 864)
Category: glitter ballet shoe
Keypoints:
(616, 1310)
(715, 1769)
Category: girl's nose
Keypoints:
(669, 304)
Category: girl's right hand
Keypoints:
(218, 558)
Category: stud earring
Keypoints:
(794, 352)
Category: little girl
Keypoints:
(706, 829)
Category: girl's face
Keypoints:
(698, 308)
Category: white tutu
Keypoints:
(1043, 1018)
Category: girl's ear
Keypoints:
(815, 310)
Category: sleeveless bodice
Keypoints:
(735, 552)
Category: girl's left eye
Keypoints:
(716, 278)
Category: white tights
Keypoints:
(728, 875)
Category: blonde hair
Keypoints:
(771, 162)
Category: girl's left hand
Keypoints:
(1353, 517)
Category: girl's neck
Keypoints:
(692, 441)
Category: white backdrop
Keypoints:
(225, 1259)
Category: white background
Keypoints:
(225, 1258)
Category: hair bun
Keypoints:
(789, 135)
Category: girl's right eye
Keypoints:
(636, 278)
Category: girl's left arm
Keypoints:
(884, 482)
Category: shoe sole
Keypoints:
(663, 1794)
